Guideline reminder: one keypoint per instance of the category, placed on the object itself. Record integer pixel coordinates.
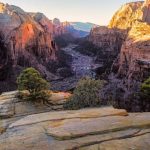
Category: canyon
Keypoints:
(65, 52)
(121, 56)
(28, 40)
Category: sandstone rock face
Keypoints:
(25, 41)
(135, 53)
(126, 16)
(43, 21)
(134, 60)
(129, 13)
(20, 31)
(87, 129)
(59, 29)
(106, 38)
(10, 105)
(132, 46)
(109, 42)
(145, 15)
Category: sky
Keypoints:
(95, 11)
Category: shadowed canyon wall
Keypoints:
(128, 38)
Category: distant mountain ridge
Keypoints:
(77, 29)
(87, 26)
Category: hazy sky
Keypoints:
(95, 11)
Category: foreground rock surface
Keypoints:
(87, 129)
(10, 105)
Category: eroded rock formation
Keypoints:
(135, 53)
(26, 40)
(145, 13)
(126, 16)
(109, 42)
(134, 58)
(132, 63)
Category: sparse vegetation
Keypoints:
(86, 94)
(145, 88)
(31, 80)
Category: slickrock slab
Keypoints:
(140, 141)
(61, 115)
(81, 127)
(87, 129)
(10, 105)
(88, 141)
(24, 138)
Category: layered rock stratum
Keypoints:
(26, 39)
(87, 129)
(135, 53)
(109, 42)
(12, 106)
(130, 48)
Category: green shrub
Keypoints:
(145, 89)
(31, 80)
(86, 94)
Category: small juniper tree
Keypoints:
(86, 94)
(31, 80)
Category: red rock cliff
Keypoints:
(25, 41)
